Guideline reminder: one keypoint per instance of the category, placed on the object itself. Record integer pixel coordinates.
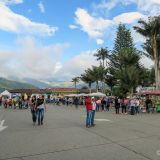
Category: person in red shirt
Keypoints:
(88, 103)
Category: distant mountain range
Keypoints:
(15, 83)
(10, 84)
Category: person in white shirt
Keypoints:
(94, 105)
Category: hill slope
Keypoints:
(9, 84)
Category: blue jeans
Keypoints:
(89, 118)
(40, 114)
(92, 119)
(34, 116)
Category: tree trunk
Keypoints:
(156, 63)
(131, 92)
(89, 87)
(97, 86)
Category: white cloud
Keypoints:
(77, 65)
(8, 2)
(16, 23)
(148, 63)
(128, 18)
(100, 41)
(95, 27)
(152, 7)
(73, 26)
(32, 60)
(40, 62)
(41, 7)
(138, 38)
(105, 5)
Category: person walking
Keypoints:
(148, 104)
(93, 111)
(33, 109)
(117, 105)
(40, 108)
(88, 104)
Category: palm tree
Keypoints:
(75, 81)
(151, 30)
(97, 74)
(102, 54)
(85, 77)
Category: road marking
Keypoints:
(103, 120)
(1, 125)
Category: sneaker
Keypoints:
(41, 123)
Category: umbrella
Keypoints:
(97, 94)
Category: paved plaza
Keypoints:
(64, 136)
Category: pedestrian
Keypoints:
(148, 104)
(33, 109)
(93, 111)
(132, 104)
(88, 104)
(117, 105)
(40, 108)
(98, 102)
(76, 102)
(137, 103)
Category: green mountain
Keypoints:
(9, 84)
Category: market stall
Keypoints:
(154, 96)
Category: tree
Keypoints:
(111, 81)
(147, 77)
(102, 54)
(75, 81)
(124, 61)
(87, 78)
(151, 30)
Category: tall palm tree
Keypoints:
(151, 30)
(75, 81)
(102, 54)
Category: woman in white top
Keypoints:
(94, 105)
(40, 108)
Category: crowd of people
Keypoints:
(16, 102)
(37, 104)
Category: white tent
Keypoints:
(98, 94)
(71, 95)
(6, 93)
(82, 95)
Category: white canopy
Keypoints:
(82, 95)
(72, 95)
(98, 94)
(6, 93)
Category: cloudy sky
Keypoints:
(44, 39)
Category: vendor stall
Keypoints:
(155, 98)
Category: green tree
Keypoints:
(124, 61)
(147, 77)
(75, 81)
(102, 54)
(151, 30)
(87, 78)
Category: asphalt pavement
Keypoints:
(63, 136)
